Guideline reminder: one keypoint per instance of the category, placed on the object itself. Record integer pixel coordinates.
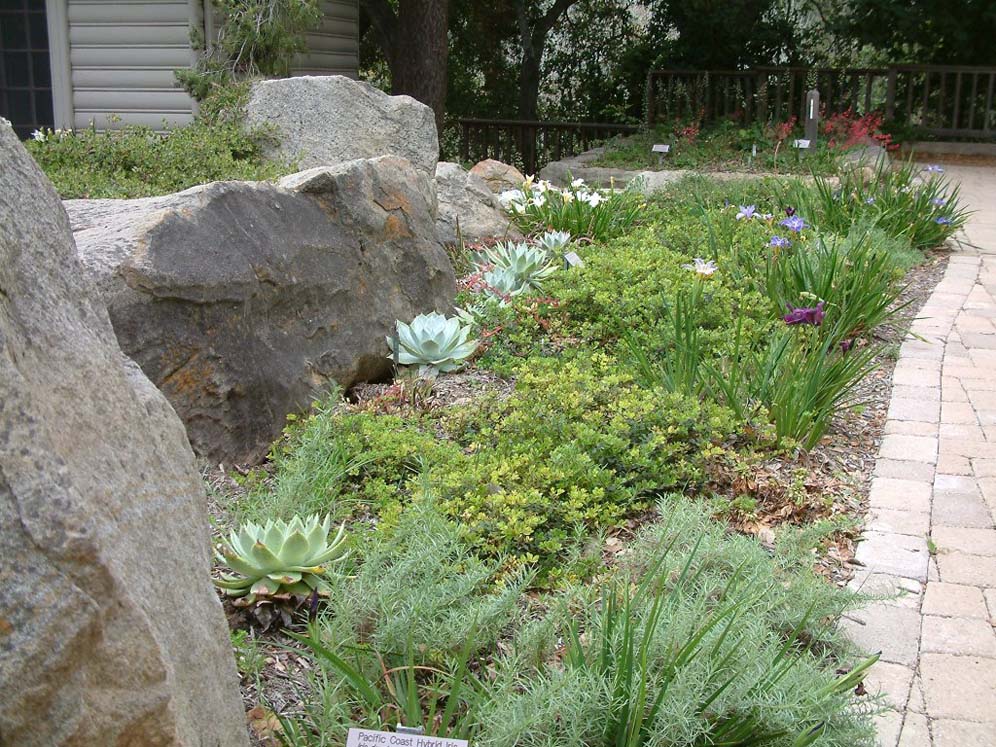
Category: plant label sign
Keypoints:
(802, 144)
(661, 148)
(372, 738)
(571, 259)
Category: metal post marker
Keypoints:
(661, 149)
(401, 729)
(397, 348)
(812, 116)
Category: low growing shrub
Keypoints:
(139, 162)
(698, 638)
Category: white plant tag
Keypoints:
(373, 738)
(801, 143)
(661, 148)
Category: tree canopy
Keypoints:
(588, 59)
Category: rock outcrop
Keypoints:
(324, 120)
(242, 301)
(498, 176)
(466, 201)
(110, 631)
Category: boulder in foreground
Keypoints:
(110, 630)
(242, 301)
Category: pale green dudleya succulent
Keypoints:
(530, 265)
(433, 343)
(279, 559)
(554, 241)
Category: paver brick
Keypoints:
(958, 635)
(916, 731)
(960, 510)
(963, 568)
(954, 600)
(911, 448)
(895, 554)
(949, 733)
(894, 631)
(888, 724)
(892, 681)
(964, 539)
(959, 687)
(915, 523)
(915, 471)
(890, 492)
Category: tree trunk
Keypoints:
(532, 39)
(414, 42)
(420, 71)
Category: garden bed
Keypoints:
(522, 529)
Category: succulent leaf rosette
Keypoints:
(433, 343)
(279, 560)
(530, 265)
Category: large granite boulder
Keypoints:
(110, 630)
(242, 301)
(497, 175)
(324, 120)
(466, 203)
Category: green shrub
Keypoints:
(578, 443)
(628, 284)
(905, 202)
(697, 635)
(139, 162)
(725, 146)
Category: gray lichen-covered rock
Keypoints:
(242, 301)
(324, 120)
(497, 175)
(466, 201)
(110, 631)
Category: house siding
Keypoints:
(334, 47)
(122, 56)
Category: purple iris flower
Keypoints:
(789, 211)
(779, 242)
(793, 223)
(747, 212)
(869, 201)
(846, 345)
(938, 202)
(942, 221)
(805, 315)
(933, 168)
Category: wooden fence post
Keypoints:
(890, 95)
(651, 100)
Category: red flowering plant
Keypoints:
(846, 129)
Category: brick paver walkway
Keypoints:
(930, 529)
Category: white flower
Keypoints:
(510, 196)
(542, 186)
(39, 135)
(539, 200)
(577, 183)
(702, 267)
(595, 198)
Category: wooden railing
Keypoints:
(946, 101)
(530, 145)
